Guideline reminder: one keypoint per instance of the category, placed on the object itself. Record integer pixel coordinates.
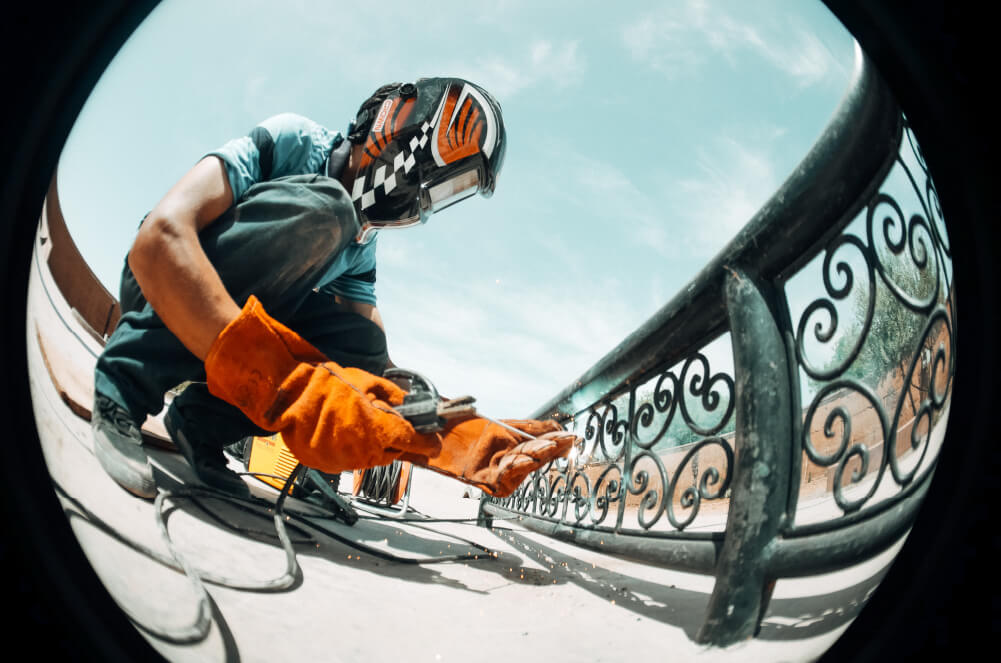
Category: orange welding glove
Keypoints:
(335, 419)
(332, 418)
(484, 454)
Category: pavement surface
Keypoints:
(428, 586)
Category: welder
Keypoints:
(252, 281)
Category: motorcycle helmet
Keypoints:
(427, 145)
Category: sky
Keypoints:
(641, 139)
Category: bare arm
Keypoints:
(170, 266)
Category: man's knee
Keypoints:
(280, 238)
(319, 211)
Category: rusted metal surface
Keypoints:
(97, 307)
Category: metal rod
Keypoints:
(761, 472)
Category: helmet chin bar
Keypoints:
(369, 229)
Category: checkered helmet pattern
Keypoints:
(423, 131)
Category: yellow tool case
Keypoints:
(270, 456)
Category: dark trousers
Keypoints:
(275, 243)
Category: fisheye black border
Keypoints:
(941, 592)
(940, 59)
(53, 56)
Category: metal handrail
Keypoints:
(742, 292)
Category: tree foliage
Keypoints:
(894, 332)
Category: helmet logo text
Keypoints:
(380, 119)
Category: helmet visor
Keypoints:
(456, 188)
(450, 185)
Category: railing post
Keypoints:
(760, 482)
(484, 519)
(627, 459)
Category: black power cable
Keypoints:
(201, 627)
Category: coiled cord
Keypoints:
(379, 483)
(201, 627)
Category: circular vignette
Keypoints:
(60, 55)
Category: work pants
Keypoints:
(275, 243)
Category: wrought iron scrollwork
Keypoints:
(606, 431)
(632, 473)
(846, 451)
(626, 437)
(703, 385)
(662, 402)
(825, 334)
(702, 488)
(912, 238)
(840, 418)
(940, 366)
(905, 258)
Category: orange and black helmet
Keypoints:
(427, 145)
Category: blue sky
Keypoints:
(642, 136)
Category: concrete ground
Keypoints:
(386, 588)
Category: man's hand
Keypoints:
(331, 418)
(403, 383)
(170, 266)
(492, 457)
(335, 419)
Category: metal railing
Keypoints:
(761, 425)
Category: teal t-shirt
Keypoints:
(290, 144)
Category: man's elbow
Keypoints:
(156, 235)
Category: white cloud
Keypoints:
(733, 181)
(511, 345)
(811, 62)
(542, 62)
(600, 189)
(561, 64)
(680, 39)
(657, 42)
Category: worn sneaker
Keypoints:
(118, 446)
(207, 460)
(240, 450)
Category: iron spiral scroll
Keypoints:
(625, 436)
(905, 265)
